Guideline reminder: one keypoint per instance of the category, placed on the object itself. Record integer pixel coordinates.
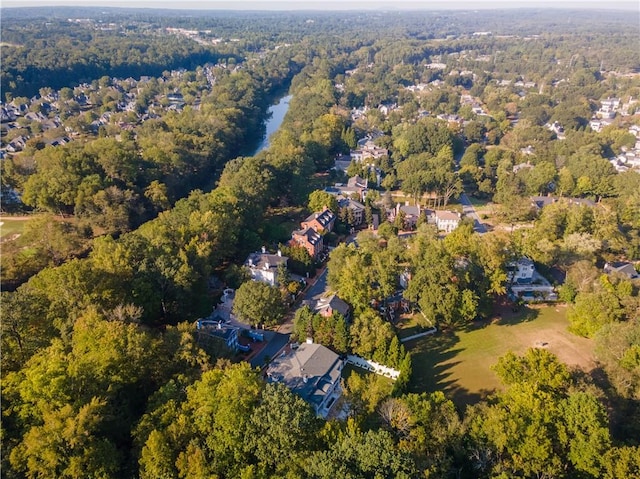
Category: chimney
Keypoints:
(309, 340)
(305, 379)
(267, 265)
(280, 253)
(220, 325)
(264, 250)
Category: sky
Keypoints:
(334, 5)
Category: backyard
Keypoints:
(459, 362)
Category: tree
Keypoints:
(361, 454)
(281, 427)
(318, 200)
(258, 303)
(618, 350)
(67, 445)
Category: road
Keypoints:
(470, 211)
(319, 286)
(276, 340)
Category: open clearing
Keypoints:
(12, 226)
(459, 362)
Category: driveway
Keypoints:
(470, 211)
(275, 342)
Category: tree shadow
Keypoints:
(462, 397)
(430, 359)
(433, 362)
(509, 316)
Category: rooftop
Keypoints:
(308, 371)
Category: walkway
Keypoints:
(419, 335)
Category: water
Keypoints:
(277, 113)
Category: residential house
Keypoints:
(264, 266)
(539, 202)
(311, 371)
(623, 268)
(326, 305)
(521, 271)
(309, 239)
(412, 214)
(320, 221)
(355, 185)
(527, 284)
(355, 207)
(218, 330)
(447, 221)
(367, 150)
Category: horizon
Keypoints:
(314, 6)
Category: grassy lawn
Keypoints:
(281, 222)
(409, 324)
(459, 362)
(11, 227)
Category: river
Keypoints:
(276, 115)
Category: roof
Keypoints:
(324, 218)
(261, 260)
(309, 233)
(357, 182)
(542, 201)
(447, 215)
(308, 371)
(352, 204)
(622, 267)
(321, 303)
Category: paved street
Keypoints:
(319, 286)
(470, 211)
(275, 342)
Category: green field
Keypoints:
(459, 362)
(11, 227)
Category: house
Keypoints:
(311, 371)
(264, 266)
(320, 221)
(411, 214)
(447, 221)
(218, 330)
(623, 268)
(355, 186)
(539, 202)
(355, 207)
(527, 284)
(368, 150)
(521, 271)
(326, 305)
(309, 239)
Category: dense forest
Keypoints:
(150, 208)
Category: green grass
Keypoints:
(280, 223)
(459, 363)
(11, 227)
(408, 325)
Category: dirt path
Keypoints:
(16, 218)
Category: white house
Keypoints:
(447, 221)
(264, 266)
(527, 284)
(521, 271)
